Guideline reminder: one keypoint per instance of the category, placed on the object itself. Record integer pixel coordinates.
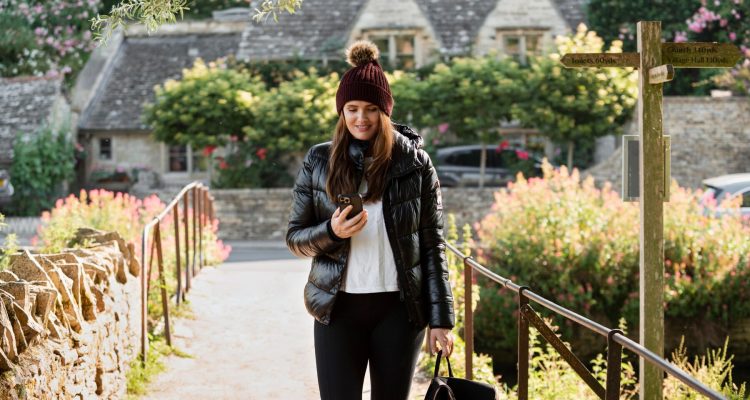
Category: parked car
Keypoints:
(6, 188)
(730, 186)
(458, 166)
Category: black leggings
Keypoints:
(367, 327)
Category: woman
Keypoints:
(379, 277)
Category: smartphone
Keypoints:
(354, 200)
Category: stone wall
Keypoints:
(69, 322)
(710, 137)
(262, 214)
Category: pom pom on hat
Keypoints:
(361, 53)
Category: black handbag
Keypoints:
(450, 388)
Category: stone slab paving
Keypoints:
(251, 337)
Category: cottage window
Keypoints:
(105, 148)
(520, 44)
(185, 159)
(178, 159)
(398, 49)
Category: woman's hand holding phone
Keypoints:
(346, 228)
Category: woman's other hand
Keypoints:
(441, 336)
(346, 228)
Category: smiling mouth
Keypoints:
(362, 127)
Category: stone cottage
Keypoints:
(120, 78)
(27, 104)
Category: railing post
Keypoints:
(185, 215)
(144, 298)
(162, 284)
(468, 318)
(195, 228)
(206, 222)
(201, 200)
(176, 223)
(523, 347)
(614, 366)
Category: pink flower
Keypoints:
(261, 153)
(680, 37)
(442, 128)
(723, 22)
(523, 155)
(732, 36)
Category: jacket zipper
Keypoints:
(404, 289)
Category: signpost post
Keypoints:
(655, 62)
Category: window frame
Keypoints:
(190, 155)
(501, 34)
(391, 36)
(100, 148)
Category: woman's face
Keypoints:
(362, 119)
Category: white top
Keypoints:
(371, 267)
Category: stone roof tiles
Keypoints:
(574, 11)
(318, 30)
(141, 63)
(25, 104)
(456, 21)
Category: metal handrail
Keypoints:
(615, 338)
(202, 213)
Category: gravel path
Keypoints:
(250, 338)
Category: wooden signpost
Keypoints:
(655, 62)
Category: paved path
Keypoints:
(251, 337)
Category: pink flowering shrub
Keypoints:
(108, 211)
(578, 245)
(56, 33)
(726, 21)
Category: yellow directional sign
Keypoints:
(587, 60)
(700, 55)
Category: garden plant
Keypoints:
(578, 245)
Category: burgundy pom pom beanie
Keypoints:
(365, 80)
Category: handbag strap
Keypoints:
(437, 365)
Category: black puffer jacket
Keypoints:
(412, 208)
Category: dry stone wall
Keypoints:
(69, 322)
(263, 214)
(710, 137)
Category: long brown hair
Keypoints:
(341, 173)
